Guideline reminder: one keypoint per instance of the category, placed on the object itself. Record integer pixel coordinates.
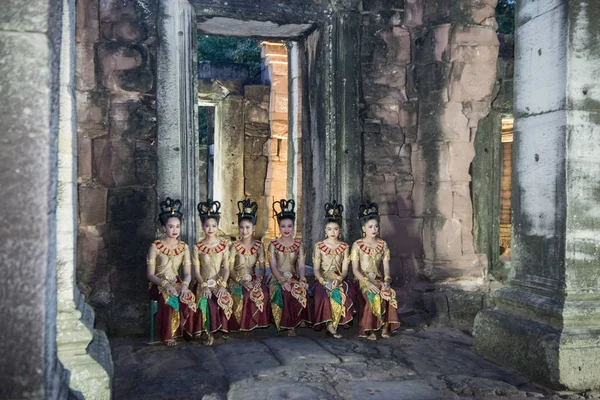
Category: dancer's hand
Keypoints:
(221, 291)
(205, 292)
(171, 290)
(372, 287)
(184, 291)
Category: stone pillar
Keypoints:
(331, 141)
(29, 76)
(88, 376)
(275, 60)
(176, 100)
(229, 160)
(349, 146)
(294, 156)
(546, 322)
(256, 156)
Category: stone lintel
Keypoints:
(251, 28)
(276, 12)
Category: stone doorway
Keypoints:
(302, 111)
(243, 132)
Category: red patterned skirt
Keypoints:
(330, 306)
(213, 314)
(170, 323)
(376, 310)
(252, 308)
(289, 308)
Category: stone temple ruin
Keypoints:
(408, 103)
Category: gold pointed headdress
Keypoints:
(368, 210)
(247, 210)
(333, 212)
(209, 209)
(169, 208)
(286, 209)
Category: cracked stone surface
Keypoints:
(426, 364)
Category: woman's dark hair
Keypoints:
(207, 217)
(363, 221)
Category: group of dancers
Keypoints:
(231, 293)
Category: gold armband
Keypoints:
(340, 279)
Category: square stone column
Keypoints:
(29, 75)
(546, 322)
(177, 110)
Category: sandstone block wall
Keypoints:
(428, 70)
(117, 163)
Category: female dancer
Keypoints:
(378, 300)
(288, 287)
(251, 306)
(211, 269)
(333, 293)
(176, 304)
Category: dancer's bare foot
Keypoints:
(171, 343)
(332, 332)
(372, 336)
(209, 340)
(385, 333)
(291, 333)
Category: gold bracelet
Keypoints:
(387, 279)
(339, 279)
(164, 283)
(322, 281)
(186, 284)
(303, 279)
(204, 284)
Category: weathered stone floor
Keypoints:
(428, 364)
